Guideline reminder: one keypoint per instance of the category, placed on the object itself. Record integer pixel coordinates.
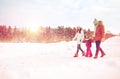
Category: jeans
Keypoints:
(98, 48)
(79, 48)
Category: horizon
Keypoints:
(36, 13)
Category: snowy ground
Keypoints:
(55, 61)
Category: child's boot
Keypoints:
(83, 53)
(76, 55)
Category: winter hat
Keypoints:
(100, 22)
(95, 22)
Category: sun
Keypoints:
(32, 25)
(33, 29)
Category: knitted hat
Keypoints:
(95, 22)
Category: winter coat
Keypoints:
(88, 42)
(99, 33)
(79, 37)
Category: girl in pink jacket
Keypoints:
(88, 43)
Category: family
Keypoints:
(97, 38)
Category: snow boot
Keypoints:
(83, 53)
(95, 57)
(76, 55)
(102, 55)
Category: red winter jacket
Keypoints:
(99, 33)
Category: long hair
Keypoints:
(79, 30)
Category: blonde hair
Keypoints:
(100, 22)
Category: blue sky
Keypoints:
(34, 13)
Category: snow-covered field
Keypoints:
(55, 61)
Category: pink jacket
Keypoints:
(88, 42)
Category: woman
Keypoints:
(99, 34)
(79, 38)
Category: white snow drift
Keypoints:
(55, 61)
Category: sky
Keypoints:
(35, 13)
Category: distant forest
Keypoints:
(42, 35)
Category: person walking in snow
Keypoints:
(79, 38)
(88, 41)
(99, 34)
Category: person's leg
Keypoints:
(97, 48)
(78, 47)
(87, 52)
(90, 53)
(83, 53)
(102, 52)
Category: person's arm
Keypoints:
(82, 35)
(75, 37)
(84, 41)
(103, 31)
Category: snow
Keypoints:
(56, 61)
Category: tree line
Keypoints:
(42, 34)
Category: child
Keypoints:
(79, 38)
(88, 45)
